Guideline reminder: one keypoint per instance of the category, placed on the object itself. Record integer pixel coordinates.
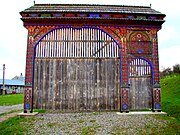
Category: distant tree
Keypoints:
(176, 68)
(166, 71)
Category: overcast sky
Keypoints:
(13, 36)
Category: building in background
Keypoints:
(14, 85)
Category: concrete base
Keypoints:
(27, 114)
(141, 113)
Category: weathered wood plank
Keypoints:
(141, 93)
(50, 92)
(35, 85)
(57, 80)
(44, 84)
(39, 90)
(76, 84)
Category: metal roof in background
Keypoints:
(91, 8)
(12, 82)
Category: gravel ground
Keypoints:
(100, 123)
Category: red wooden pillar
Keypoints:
(124, 73)
(156, 84)
(29, 72)
(35, 33)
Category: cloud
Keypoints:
(169, 34)
(169, 56)
(13, 38)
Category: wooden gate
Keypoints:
(140, 78)
(76, 69)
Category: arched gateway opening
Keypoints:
(76, 69)
(140, 79)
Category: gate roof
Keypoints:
(91, 14)
(92, 8)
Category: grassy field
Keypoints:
(16, 125)
(170, 86)
(170, 91)
(12, 99)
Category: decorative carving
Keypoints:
(125, 99)
(139, 44)
(27, 100)
(157, 99)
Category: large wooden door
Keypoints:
(76, 70)
(76, 84)
(140, 85)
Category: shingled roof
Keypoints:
(89, 14)
(91, 8)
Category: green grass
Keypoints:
(173, 125)
(170, 91)
(170, 87)
(40, 110)
(16, 125)
(12, 99)
(88, 131)
(50, 125)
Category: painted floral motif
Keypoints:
(140, 44)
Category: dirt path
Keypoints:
(7, 116)
(5, 109)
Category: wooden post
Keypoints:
(4, 90)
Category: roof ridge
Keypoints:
(91, 8)
(90, 5)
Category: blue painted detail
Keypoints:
(130, 16)
(106, 16)
(158, 106)
(27, 106)
(77, 28)
(139, 51)
(125, 106)
(82, 15)
(152, 17)
(94, 16)
(58, 15)
(34, 15)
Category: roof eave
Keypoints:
(92, 21)
(93, 11)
